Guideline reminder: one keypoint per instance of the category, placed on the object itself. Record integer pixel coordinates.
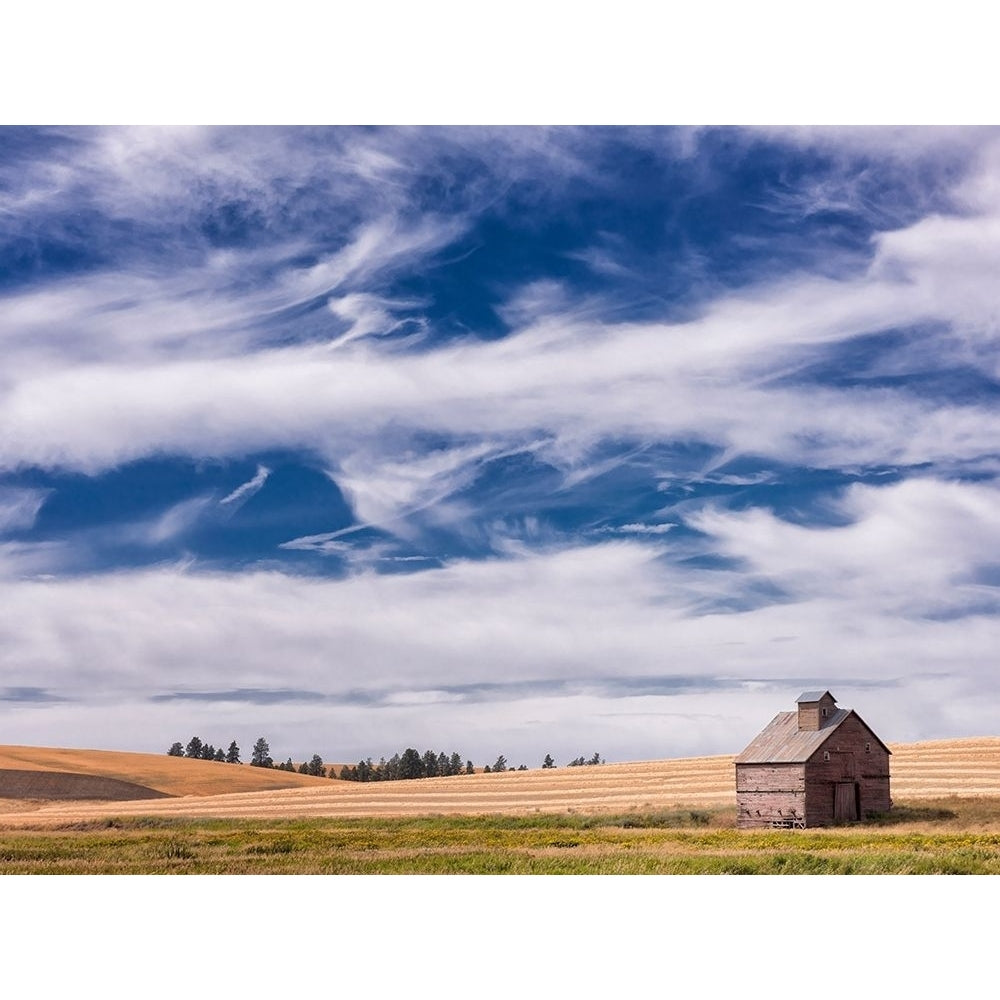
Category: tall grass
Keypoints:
(953, 837)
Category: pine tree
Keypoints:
(176, 750)
(501, 764)
(315, 767)
(548, 762)
(233, 754)
(261, 755)
(410, 764)
(193, 747)
(220, 755)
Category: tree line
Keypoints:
(403, 766)
(260, 756)
(205, 751)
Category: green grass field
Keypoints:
(953, 836)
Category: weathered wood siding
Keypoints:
(811, 715)
(855, 756)
(770, 793)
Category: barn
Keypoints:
(815, 766)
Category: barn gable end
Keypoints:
(812, 767)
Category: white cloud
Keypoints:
(910, 549)
(638, 528)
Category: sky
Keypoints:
(496, 440)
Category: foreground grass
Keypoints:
(954, 837)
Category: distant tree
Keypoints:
(430, 762)
(193, 748)
(486, 770)
(410, 764)
(469, 769)
(501, 763)
(315, 766)
(522, 767)
(176, 750)
(455, 764)
(303, 768)
(233, 754)
(443, 765)
(220, 755)
(207, 752)
(576, 762)
(596, 759)
(261, 754)
(548, 762)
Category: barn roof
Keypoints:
(782, 742)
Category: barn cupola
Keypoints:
(815, 708)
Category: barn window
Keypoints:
(868, 748)
(826, 755)
(825, 710)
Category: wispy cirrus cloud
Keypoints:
(249, 488)
(19, 508)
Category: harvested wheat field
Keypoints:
(962, 767)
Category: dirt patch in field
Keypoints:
(65, 786)
(170, 775)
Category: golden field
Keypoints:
(206, 789)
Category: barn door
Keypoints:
(845, 802)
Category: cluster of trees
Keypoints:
(401, 766)
(314, 767)
(408, 764)
(205, 751)
(260, 756)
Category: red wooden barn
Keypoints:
(812, 767)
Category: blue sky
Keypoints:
(516, 441)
